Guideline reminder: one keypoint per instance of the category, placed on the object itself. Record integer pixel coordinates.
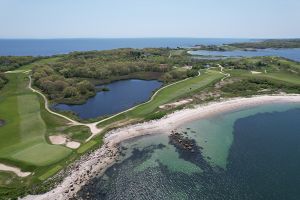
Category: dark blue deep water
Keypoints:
(292, 54)
(262, 164)
(48, 47)
(122, 96)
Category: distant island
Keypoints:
(265, 44)
(262, 44)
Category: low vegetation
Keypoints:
(253, 86)
(271, 64)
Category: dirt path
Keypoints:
(227, 75)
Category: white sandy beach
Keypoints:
(96, 162)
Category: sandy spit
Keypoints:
(96, 162)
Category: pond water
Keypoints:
(121, 96)
(249, 154)
(292, 54)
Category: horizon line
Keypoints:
(171, 37)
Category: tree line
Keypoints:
(8, 63)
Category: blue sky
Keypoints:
(149, 18)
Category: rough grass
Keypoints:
(8, 178)
(280, 75)
(286, 77)
(78, 133)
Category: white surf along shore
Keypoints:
(98, 161)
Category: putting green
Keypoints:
(41, 154)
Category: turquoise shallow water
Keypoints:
(245, 154)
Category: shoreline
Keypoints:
(96, 162)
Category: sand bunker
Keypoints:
(255, 72)
(176, 104)
(57, 139)
(73, 145)
(62, 140)
(15, 170)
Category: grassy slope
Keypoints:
(176, 91)
(39, 62)
(22, 139)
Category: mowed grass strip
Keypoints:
(22, 138)
(50, 173)
(9, 112)
(86, 146)
(176, 91)
(31, 123)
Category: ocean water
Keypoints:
(48, 47)
(121, 96)
(292, 54)
(249, 154)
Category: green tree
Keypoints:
(70, 92)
